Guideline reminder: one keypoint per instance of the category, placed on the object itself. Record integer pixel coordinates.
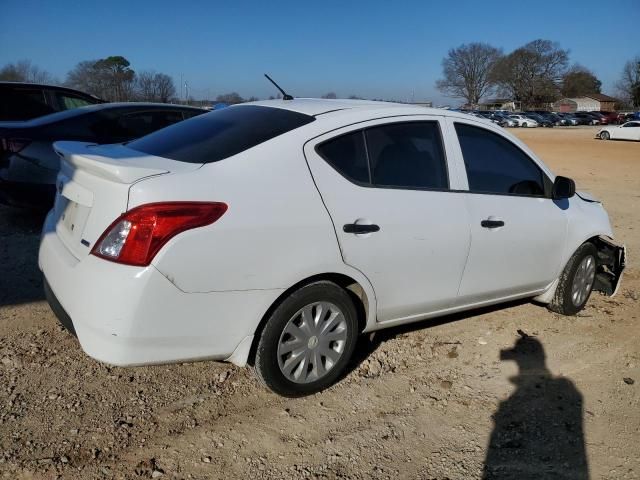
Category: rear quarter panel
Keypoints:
(275, 233)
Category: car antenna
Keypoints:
(285, 95)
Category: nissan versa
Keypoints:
(274, 233)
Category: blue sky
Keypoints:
(372, 48)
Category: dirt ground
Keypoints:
(431, 401)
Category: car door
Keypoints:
(629, 131)
(386, 185)
(517, 231)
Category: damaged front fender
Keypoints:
(611, 264)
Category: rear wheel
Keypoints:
(576, 281)
(308, 340)
(604, 136)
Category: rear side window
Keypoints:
(496, 165)
(23, 103)
(407, 155)
(399, 155)
(348, 156)
(220, 134)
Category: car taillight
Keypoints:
(137, 235)
(14, 145)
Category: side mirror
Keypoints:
(563, 187)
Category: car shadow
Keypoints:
(20, 278)
(369, 343)
(538, 431)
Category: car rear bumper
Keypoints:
(125, 315)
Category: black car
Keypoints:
(24, 101)
(585, 118)
(542, 121)
(28, 164)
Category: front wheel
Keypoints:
(307, 341)
(576, 281)
(604, 136)
(524, 124)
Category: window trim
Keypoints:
(547, 184)
(370, 184)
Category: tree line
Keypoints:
(110, 78)
(534, 75)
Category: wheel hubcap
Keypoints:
(312, 342)
(583, 280)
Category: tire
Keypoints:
(576, 281)
(604, 136)
(524, 124)
(289, 325)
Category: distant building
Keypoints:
(498, 104)
(588, 103)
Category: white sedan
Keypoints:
(626, 131)
(524, 121)
(274, 233)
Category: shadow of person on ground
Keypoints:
(538, 432)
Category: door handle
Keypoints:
(491, 223)
(360, 228)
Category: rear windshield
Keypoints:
(220, 134)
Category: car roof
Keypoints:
(75, 112)
(334, 108)
(5, 83)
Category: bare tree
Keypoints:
(166, 89)
(155, 87)
(629, 84)
(109, 78)
(532, 74)
(25, 71)
(330, 95)
(467, 71)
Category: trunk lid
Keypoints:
(93, 188)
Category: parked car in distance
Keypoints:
(506, 121)
(542, 121)
(523, 120)
(555, 119)
(28, 163)
(602, 119)
(569, 118)
(612, 117)
(626, 131)
(585, 118)
(628, 117)
(24, 101)
(274, 233)
(492, 117)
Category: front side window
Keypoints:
(67, 102)
(399, 155)
(496, 165)
(632, 124)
